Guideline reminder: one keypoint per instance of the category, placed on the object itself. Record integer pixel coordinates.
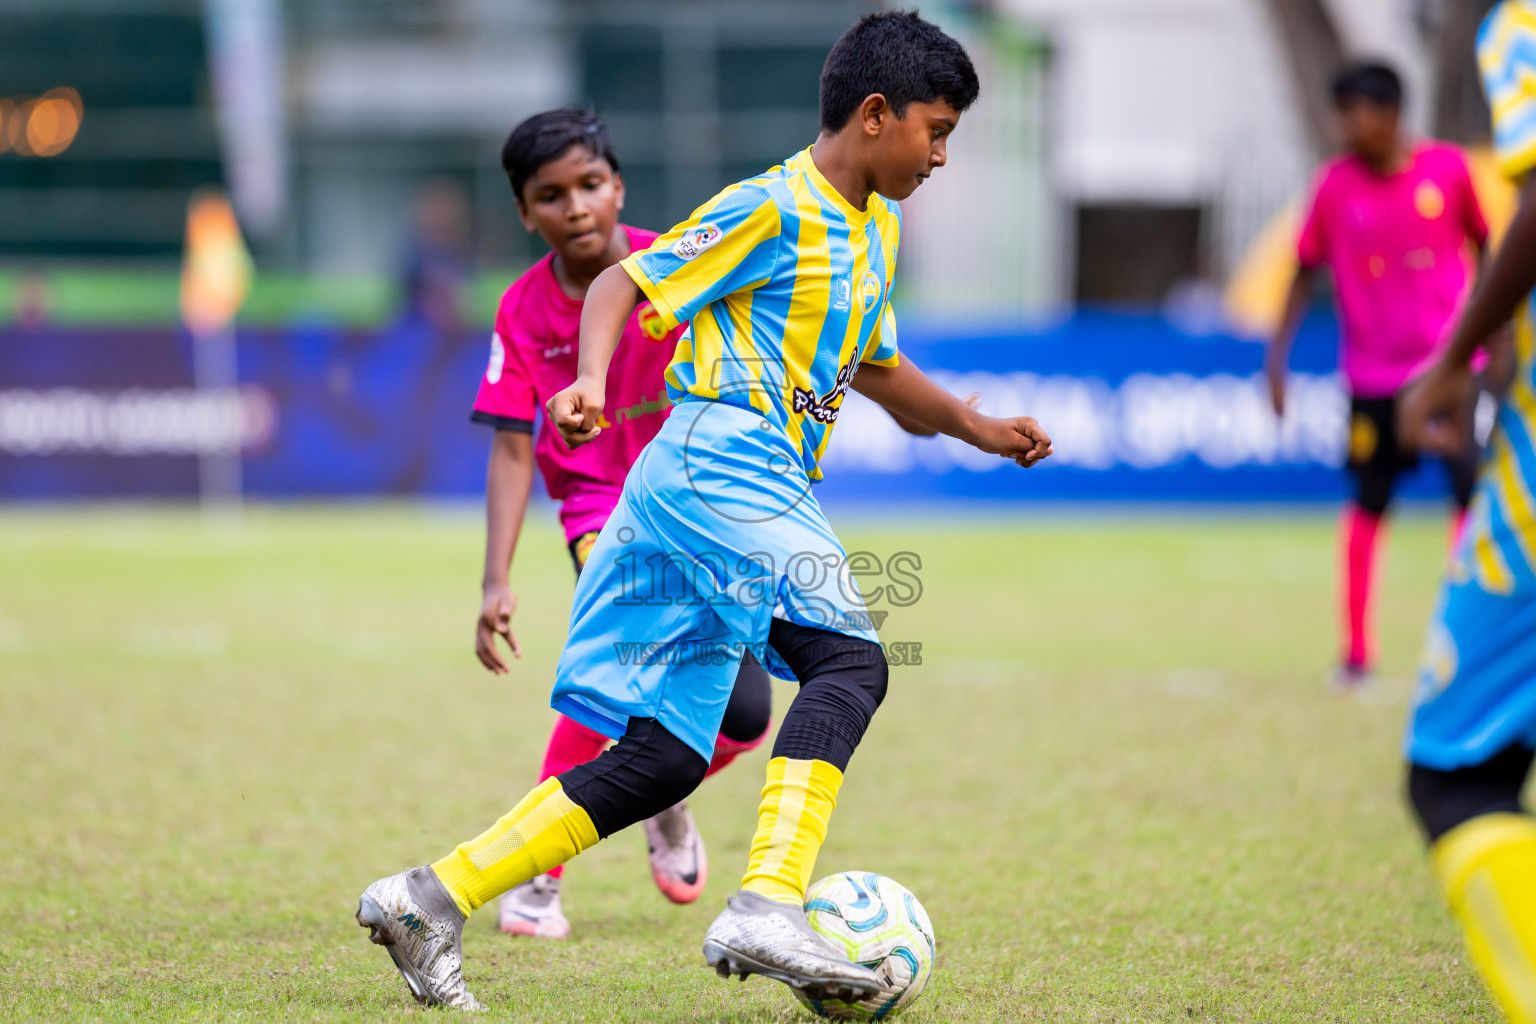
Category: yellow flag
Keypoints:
(1255, 296)
(216, 268)
(1496, 194)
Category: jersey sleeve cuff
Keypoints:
(892, 360)
(510, 423)
(652, 292)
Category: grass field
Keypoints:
(1115, 781)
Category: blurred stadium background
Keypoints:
(250, 251)
(1110, 236)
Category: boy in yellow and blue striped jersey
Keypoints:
(718, 545)
(1469, 742)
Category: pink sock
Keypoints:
(1458, 524)
(570, 744)
(1359, 529)
(726, 749)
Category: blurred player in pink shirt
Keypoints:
(566, 178)
(1398, 224)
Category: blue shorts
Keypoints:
(1477, 677)
(716, 534)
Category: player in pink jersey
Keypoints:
(1398, 224)
(566, 179)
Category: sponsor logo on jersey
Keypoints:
(651, 322)
(498, 359)
(824, 409)
(869, 291)
(696, 240)
(556, 351)
(842, 294)
(1429, 200)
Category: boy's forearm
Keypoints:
(1290, 317)
(508, 480)
(610, 300)
(1504, 283)
(912, 427)
(909, 393)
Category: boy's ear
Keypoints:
(873, 113)
(522, 214)
(618, 191)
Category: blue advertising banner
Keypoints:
(1140, 410)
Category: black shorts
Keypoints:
(580, 548)
(1376, 460)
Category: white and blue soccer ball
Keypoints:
(878, 923)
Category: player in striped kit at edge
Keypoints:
(1470, 738)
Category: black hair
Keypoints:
(546, 136)
(900, 56)
(1371, 81)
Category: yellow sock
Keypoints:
(545, 829)
(791, 825)
(1487, 867)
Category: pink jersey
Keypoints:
(533, 355)
(1398, 248)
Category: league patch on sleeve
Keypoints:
(698, 238)
(498, 359)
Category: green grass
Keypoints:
(1115, 781)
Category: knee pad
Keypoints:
(840, 691)
(640, 776)
(858, 670)
(1444, 799)
(876, 678)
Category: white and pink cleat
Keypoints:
(533, 909)
(678, 863)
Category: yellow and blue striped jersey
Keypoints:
(786, 287)
(1506, 58)
(1498, 548)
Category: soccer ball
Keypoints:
(878, 923)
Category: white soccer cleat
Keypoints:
(678, 863)
(412, 916)
(533, 909)
(758, 935)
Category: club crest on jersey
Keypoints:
(651, 322)
(498, 359)
(869, 291)
(696, 239)
(825, 408)
(1428, 200)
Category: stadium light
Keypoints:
(43, 126)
